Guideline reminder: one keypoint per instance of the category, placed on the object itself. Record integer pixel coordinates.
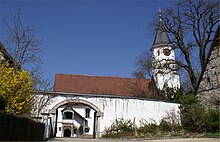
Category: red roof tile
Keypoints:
(101, 85)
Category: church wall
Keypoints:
(133, 109)
(115, 107)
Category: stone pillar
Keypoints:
(46, 130)
(97, 119)
(98, 127)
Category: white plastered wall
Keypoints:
(113, 108)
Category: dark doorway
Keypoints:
(74, 131)
(94, 125)
(67, 133)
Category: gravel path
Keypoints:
(187, 140)
(136, 140)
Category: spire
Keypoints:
(161, 35)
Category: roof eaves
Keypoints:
(108, 96)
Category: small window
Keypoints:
(59, 128)
(209, 82)
(158, 52)
(74, 131)
(68, 115)
(87, 112)
(86, 129)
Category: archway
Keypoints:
(97, 114)
(67, 133)
(53, 110)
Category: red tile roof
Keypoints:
(101, 85)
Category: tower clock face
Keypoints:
(166, 52)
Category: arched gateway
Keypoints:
(82, 112)
(74, 117)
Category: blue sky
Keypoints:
(87, 37)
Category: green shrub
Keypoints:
(120, 128)
(149, 128)
(192, 114)
(213, 135)
(170, 122)
(81, 129)
(212, 121)
(165, 126)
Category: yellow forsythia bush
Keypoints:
(16, 89)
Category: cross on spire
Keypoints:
(160, 14)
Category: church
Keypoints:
(85, 105)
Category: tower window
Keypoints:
(158, 52)
(87, 112)
(209, 81)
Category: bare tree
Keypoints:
(43, 97)
(192, 25)
(137, 87)
(144, 70)
(144, 65)
(23, 45)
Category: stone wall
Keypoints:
(209, 90)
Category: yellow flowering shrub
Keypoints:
(15, 89)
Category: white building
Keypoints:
(163, 60)
(89, 104)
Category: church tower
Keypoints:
(163, 60)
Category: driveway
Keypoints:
(136, 140)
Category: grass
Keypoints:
(212, 135)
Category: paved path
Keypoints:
(136, 140)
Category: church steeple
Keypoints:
(161, 36)
(163, 59)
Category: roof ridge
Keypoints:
(95, 76)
